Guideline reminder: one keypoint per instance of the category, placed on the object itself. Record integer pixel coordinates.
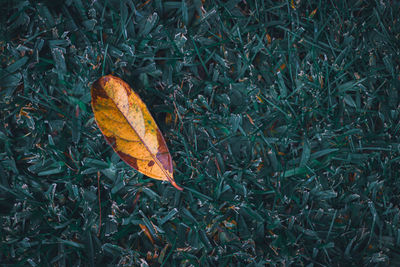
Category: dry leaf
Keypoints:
(147, 232)
(129, 128)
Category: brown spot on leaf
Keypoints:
(165, 160)
(98, 91)
(111, 140)
(129, 160)
(151, 163)
(162, 147)
(163, 154)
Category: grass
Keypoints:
(282, 118)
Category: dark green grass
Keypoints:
(284, 133)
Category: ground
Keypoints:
(282, 119)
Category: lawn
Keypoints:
(282, 119)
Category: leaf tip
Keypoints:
(176, 186)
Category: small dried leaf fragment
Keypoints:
(129, 128)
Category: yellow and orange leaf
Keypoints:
(129, 128)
